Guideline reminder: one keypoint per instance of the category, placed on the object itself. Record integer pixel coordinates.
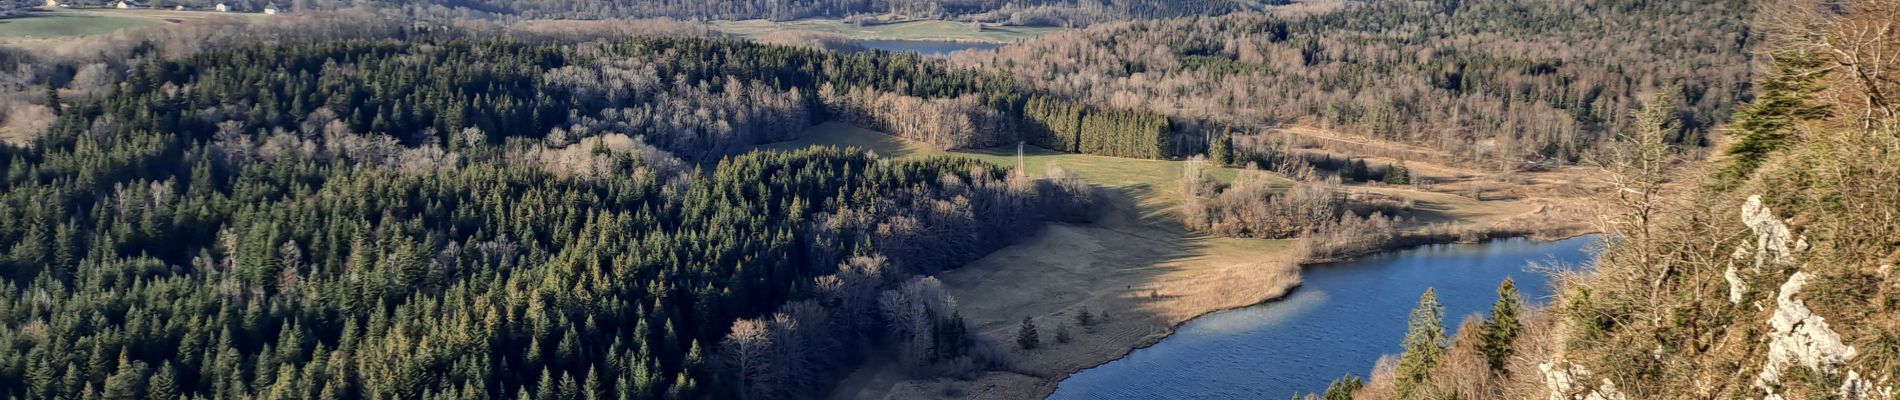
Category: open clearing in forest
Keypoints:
(908, 30)
(1153, 184)
(1134, 263)
(42, 28)
(68, 23)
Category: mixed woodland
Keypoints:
(1765, 272)
(450, 199)
(381, 218)
(1514, 84)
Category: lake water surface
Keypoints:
(1340, 320)
(926, 47)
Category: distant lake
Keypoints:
(1339, 321)
(935, 48)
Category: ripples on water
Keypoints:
(1340, 320)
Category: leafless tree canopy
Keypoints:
(1510, 80)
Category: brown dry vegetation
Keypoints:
(1504, 80)
(1748, 282)
(1448, 200)
(1142, 280)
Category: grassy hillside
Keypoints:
(56, 24)
(1155, 183)
(56, 29)
(1765, 273)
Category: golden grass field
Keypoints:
(1154, 184)
(44, 28)
(1134, 264)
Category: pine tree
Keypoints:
(1343, 388)
(164, 385)
(53, 101)
(1220, 148)
(1502, 329)
(127, 381)
(1763, 126)
(1062, 333)
(1026, 337)
(1424, 347)
(1084, 318)
(1397, 174)
(41, 380)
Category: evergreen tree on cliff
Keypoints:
(1503, 327)
(1424, 347)
(1763, 126)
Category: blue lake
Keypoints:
(1339, 321)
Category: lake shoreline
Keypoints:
(1292, 292)
(1041, 381)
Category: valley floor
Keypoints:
(1135, 266)
(1141, 280)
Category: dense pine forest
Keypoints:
(375, 219)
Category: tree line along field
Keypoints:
(43, 29)
(1155, 180)
(906, 30)
(56, 24)
(1507, 84)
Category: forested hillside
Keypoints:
(1031, 12)
(375, 219)
(1509, 82)
(1767, 273)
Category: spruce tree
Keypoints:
(1026, 337)
(164, 384)
(1763, 126)
(1424, 347)
(1343, 388)
(1220, 149)
(1397, 174)
(52, 100)
(1502, 328)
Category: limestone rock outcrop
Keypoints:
(1568, 381)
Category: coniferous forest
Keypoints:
(377, 219)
